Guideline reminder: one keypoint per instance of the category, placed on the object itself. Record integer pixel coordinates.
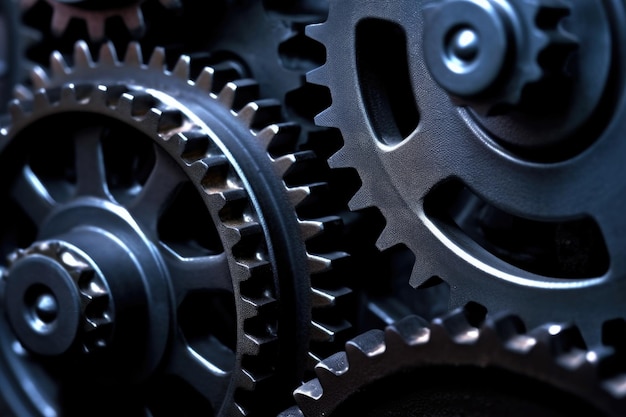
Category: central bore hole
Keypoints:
(571, 249)
(463, 45)
(42, 307)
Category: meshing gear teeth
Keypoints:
(254, 216)
(552, 356)
(416, 152)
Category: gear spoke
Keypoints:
(90, 170)
(156, 193)
(31, 195)
(198, 274)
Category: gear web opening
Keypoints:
(567, 249)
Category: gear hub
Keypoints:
(485, 53)
(56, 300)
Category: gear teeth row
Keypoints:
(552, 353)
(96, 20)
(220, 184)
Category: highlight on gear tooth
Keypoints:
(217, 139)
(466, 362)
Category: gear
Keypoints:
(502, 228)
(95, 15)
(486, 53)
(461, 364)
(182, 195)
(24, 280)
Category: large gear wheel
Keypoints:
(518, 212)
(176, 200)
(464, 364)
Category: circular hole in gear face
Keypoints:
(462, 47)
(42, 308)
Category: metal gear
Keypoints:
(486, 54)
(536, 232)
(29, 275)
(182, 194)
(95, 15)
(465, 364)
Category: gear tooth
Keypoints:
(107, 54)
(68, 94)
(309, 392)
(260, 113)
(204, 81)
(365, 346)
(237, 93)
(323, 298)
(22, 92)
(134, 21)
(182, 68)
(193, 144)
(279, 136)
(328, 332)
(58, 66)
(304, 195)
(410, 331)
(283, 164)
(250, 381)
(254, 345)
(322, 263)
(332, 367)
(559, 338)
(226, 95)
(387, 238)
(297, 195)
(505, 326)
(317, 76)
(134, 55)
(312, 228)
(17, 111)
(41, 101)
(315, 31)
(254, 307)
(455, 326)
(157, 59)
(95, 29)
(82, 55)
(59, 22)
(291, 412)
(168, 120)
(326, 118)
(39, 78)
(266, 136)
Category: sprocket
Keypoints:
(505, 222)
(182, 195)
(466, 364)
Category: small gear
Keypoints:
(95, 313)
(513, 230)
(486, 54)
(461, 364)
(182, 194)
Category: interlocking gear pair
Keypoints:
(194, 194)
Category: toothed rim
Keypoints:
(551, 354)
(96, 20)
(444, 146)
(171, 126)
